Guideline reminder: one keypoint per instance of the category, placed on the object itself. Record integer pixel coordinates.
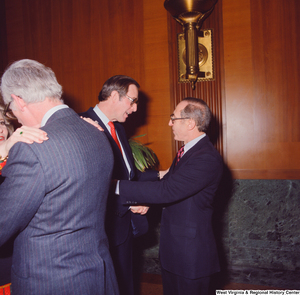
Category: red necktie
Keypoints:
(179, 154)
(114, 135)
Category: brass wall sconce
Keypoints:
(195, 46)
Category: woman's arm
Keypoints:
(23, 134)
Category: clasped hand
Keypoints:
(139, 209)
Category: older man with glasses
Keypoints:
(188, 252)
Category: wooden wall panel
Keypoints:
(3, 39)
(157, 80)
(210, 91)
(261, 61)
(255, 97)
(87, 41)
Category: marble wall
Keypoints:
(257, 225)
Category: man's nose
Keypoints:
(134, 107)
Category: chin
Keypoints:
(123, 119)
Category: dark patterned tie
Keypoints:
(179, 154)
(114, 135)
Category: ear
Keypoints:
(191, 124)
(19, 102)
(115, 96)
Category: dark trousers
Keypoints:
(122, 259)
(177, 285)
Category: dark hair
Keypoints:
(8, 124)
(118, 83)
(198, 110)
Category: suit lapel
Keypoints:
(190, 152)
(126, 148)
(113, 144)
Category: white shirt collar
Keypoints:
(102, 116)
(191, 143)
(51, 112)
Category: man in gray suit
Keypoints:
(53, 198)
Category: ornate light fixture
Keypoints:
(195, 50)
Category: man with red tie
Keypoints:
(117, 100)
(188, 251)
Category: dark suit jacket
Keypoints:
(118, 220)
(187, 244)
(54, 197)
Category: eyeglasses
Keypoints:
(172, 118)
(8, 112)
(132, 100)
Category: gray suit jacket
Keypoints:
(54, 199)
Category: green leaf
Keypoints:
(144, 157)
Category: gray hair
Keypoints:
(198, 110)
(30, 80)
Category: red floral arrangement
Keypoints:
(2, 163)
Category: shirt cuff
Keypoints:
(117, 191)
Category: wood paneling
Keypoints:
(255, 97)
(87, 41)
(3, 43)
(209, 91)
(261, 61)
(157, 80)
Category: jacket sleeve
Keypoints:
(148, 175)
(22, 191)
(192, 176)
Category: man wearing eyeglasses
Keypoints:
(117, 100)
(188, 251)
